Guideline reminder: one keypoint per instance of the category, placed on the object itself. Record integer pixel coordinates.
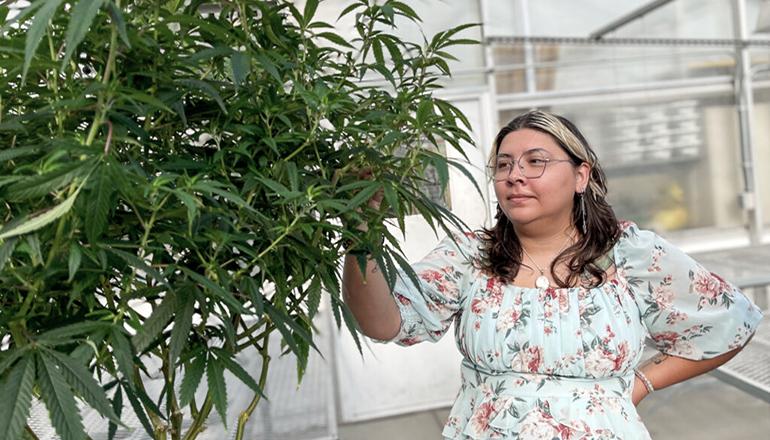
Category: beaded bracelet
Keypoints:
(645, 381)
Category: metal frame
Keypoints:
(628, 18)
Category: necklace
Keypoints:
(542, 281)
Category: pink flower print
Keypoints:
(666, 340)
(705, 284)
(480, 419)
(563, 302)
(535, 357)
(624, 224)
(508, 319)
(657, 253)
(409, 341)
(663, 296)
(621, 356)
(675, 316)
(478, 306)
(403, 300)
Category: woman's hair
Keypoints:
(501, 251)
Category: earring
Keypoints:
(583, 210)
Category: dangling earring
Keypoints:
(583, 211)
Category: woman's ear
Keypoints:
(582, 174)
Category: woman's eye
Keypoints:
(502, 166)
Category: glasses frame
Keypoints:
(521, 168)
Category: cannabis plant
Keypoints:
(177, 180)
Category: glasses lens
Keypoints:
(533, 164)
(502, 169)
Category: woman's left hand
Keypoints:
(639, 392)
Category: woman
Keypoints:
(552, 305)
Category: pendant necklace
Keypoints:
(542, 281)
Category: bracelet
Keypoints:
(645, 381)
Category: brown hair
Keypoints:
(501, 251)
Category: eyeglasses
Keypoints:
(531, 165)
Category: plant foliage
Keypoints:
(176, 182)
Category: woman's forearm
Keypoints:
(370, 300)
(663, 370)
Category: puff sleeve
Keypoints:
(427, 309)
(689, 311)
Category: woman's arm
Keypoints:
(370, 300)
(663, 370)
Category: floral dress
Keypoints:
(558, 363)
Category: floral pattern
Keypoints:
(558, 363)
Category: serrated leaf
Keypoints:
(98, 205)
(6, 250)
(117, 407)
(211, 187)
(59, 400)
(309, 12)
(124, 357)
(64, 334)
(155, 323)
(16, 394)
(363, 196)
(73, 263)
(182, 325)
(36, 31)
(38, 221)
(81, 18)
(40, 185)
(334, 38)
(269, 66)
(139, 411)
(241, 64)
(238, 371)
(120, 22)
(207, 89)
(82, 381)
(314, 296)
(211, 286)
(193, 372)
(215, 375)
(137, 263)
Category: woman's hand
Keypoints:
(639, 392)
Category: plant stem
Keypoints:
(30, 433)
(244, 417)
(197, 425)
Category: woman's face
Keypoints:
(547, 199)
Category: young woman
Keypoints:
(552, 305)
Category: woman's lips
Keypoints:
(518, 199)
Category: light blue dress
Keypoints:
(558, 363)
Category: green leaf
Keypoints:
(211, 187)
(334, 38)
(36, 31)
(16, 394)
(117, 407)
(99, 205)
(193, 372)
(309, 12)
(182, 325)
(405, 10)
(424, 111)
(207, 89)
(81, 18)
(75, 257)
(6, 250)
(41, 185)
(234, 367)
(83, 382)
(155, 323)
(215, 375)
(117, 18)
(139, 411)
(363, 196)
(13, 153)
(269, 66)
(241, 64)
(38, 221)
(64, 334)
(59, 400)
(124, 357)
(137, 263)
(223, 294)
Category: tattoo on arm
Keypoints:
(659, 358)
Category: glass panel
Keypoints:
(761, 138)
(670, 165)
